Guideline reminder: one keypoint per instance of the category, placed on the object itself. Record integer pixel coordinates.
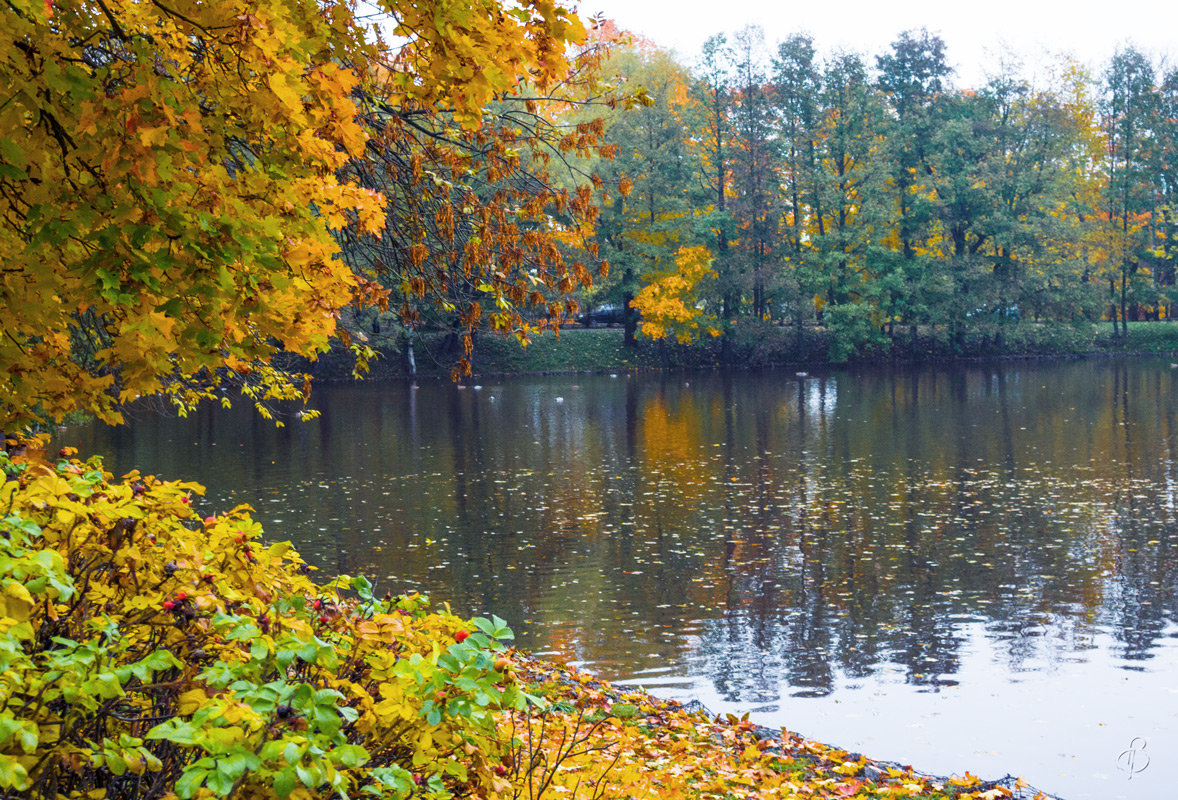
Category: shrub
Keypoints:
(145, 653)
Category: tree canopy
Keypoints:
(172, 177)
(897, 211)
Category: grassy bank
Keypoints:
(1145, 338)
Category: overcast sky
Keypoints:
(974, 32)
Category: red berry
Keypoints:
(417, 779)
(317, 604)
(181, 595)
(323, 620)
(210, 520)
(185, 499)
(461, 636)
(169, 605)
(500, 770)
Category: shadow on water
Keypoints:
(877, 558)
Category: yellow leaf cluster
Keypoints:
(164, 173)
(668, 301)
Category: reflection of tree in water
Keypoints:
(883, 563)
(1142, 600)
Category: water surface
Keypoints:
(959, 568)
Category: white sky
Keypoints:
(974, 30)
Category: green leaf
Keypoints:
(221, 782)
(350, 755)
(309, 776)
(29, 738)
(362, 587)
(292, 753)
(190, 780)
(12, 774)
(285, 782)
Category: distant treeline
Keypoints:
(873, 197)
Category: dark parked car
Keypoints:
(609, 314)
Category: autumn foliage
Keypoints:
(168, 188)
(872, 200)
(483, 209)
(172, 179)
(668, 301)
(146, 653)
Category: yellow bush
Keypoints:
(145, 653)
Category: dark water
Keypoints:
(968, 568)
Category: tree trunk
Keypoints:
(630, 320)
(1124, 301)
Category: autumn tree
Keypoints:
(1127, 110)
(671, 299)
(851, 184)
(712, 89)
(484, 211)
(912, 76)
(895, 199)
(1164, 169)
(1038, 176)
(795, 96)
(959, 152)
(169, 180)
(754, 169)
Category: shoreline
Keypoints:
(816, 762)
(580, 351)
(938, 361)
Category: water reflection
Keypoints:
(762, 539)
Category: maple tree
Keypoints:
(670, 300)
(171, 175)
(488, 209)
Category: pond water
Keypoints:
(966, 568)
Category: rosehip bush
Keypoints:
(146, 653)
